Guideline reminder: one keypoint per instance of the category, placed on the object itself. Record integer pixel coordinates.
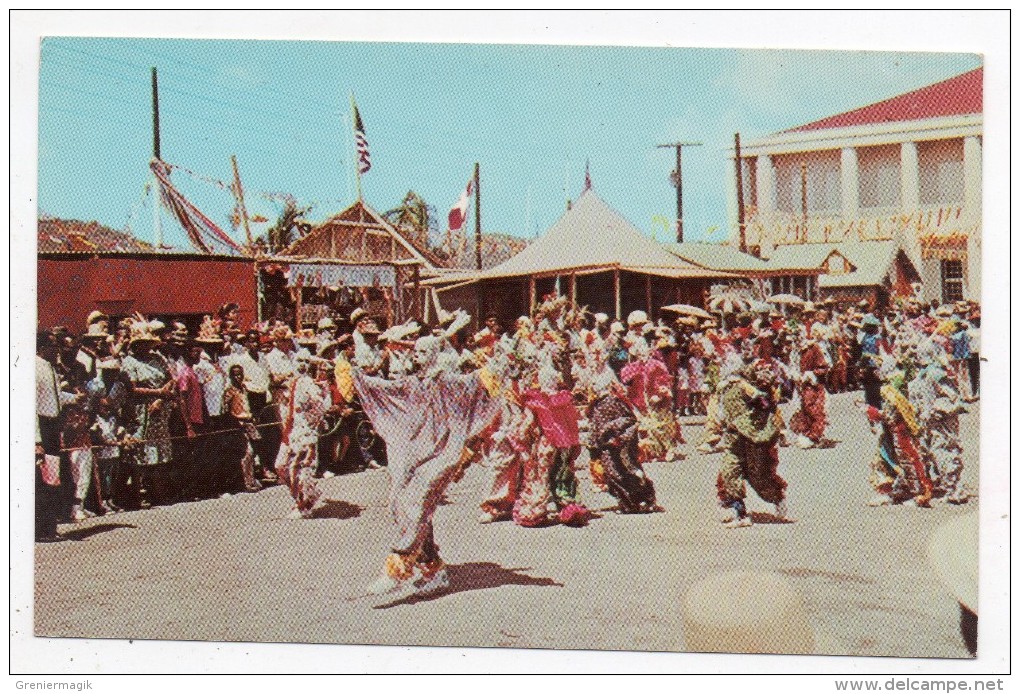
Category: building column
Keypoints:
(849, 191)
(972, 214)
(766, 176)
(910, 178)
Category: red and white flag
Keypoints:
(458, 215)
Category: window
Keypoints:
(878, 182)
(821, 174)
(941, 171)
(952, 281)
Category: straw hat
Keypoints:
(282, 332)
(96, 317)
(208, 332)
(357, 314)
(953, 553)
(306, 336)
(746, 612)
(325, 324)
(945, 311)
(324, 347)
(617, 328)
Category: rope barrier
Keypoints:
(132, 443)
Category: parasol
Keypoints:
(687, 310)
(729, 302)
(785, 299)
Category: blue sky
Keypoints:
(530, 115)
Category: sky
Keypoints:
(531, 116)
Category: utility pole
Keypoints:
(156, 221)
(677, 179)
(478, 220)
(239, 194)
(740, 194)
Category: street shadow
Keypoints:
(476, 576)
(337, 509)
(79, 534)
(769, 519)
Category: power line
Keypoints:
(302, 114)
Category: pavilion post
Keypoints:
(573, 290)
(616, 292)
(531, 295)
(648, 295)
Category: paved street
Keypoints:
(235, 569)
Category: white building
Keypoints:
(907, 169)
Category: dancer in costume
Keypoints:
(427, 419)
(297, 460)
(898, 473)
(614, 439)
(749, 400)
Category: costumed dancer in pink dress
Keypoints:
(649, 387)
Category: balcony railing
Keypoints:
(872, 224)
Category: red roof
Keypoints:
(953, 97)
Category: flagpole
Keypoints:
(357, 161)
(478, 220)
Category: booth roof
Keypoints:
(591, 236)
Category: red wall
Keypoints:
(69, 289)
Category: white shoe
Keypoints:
(440, 581)
(879, 500)
(744, 522)
(328, 475)
(372, 465)
(78, 514)
(383, 585)
(487, 517)
(295, 514)
(782, 513)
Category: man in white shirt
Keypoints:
(49, 401)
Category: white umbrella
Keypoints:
(785, 299)
(687, 310)
(728, 302)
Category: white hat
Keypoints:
(746, 612)
(324, 323)
(357, 314)
(601, 318)
(617, 327)
(95, 317)
(637, 318)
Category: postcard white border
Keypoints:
(957, 31)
